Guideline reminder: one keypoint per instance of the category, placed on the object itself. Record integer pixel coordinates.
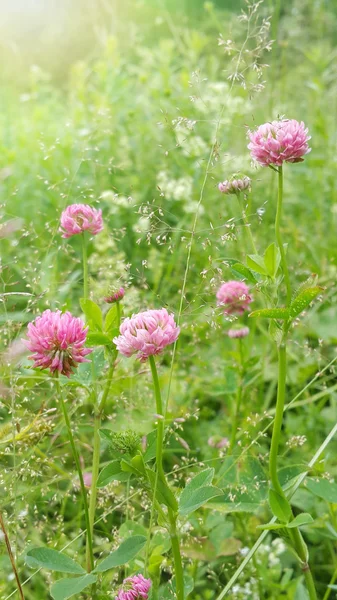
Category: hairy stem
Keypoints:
(279, 236)
(90, 564)
(97, 440)
(178, 568)
(85, 267)
(160, 417)
(11, 557)
(294, 534)
(238, 400)
(247, 224)
(275, 441)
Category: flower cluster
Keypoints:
(235, 185)
(278, 142)
(78, 218)
(147, 333)
(234, 297)
(134, 588)
(57, 341)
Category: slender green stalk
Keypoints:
(85, 266)
(97, 440)
(160, 418)
(275, 441)
(178, 567)
(90, 564)
(329, 589)
(294, 534)
(238, 400)
(246, 222)
(279, 236)
(11, 557)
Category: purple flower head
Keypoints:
(57, 341)
(134, 588)
(147, 333)
(234, 297)
(278, 142)
(78, 218)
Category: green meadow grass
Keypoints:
(145, 127)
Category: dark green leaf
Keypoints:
(126, 552)
(202, 479)
(323, 489)
(169, 590)
(107, 435)
(50, 559)
(151, 443)
(197, 498)
(280, 506)
(244, 482)
(111, 472)
(129, 468)
(65, 588)
(164, 493)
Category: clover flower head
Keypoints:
(280, 141)
(235, 185)
(147, 333)
(134, 588)
(234, 297)
(57, 341)
(78, 218)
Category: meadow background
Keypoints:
(141, 108)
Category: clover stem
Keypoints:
(294, 533)
(238, 400)
(178, 568)
(90, 562)
(97, 440)
(279, 236)
(85, 266)
(11, 557)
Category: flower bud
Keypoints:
(115, 296)
(235, 185)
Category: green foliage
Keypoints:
(130, 128)
(323, 489)
(112, 472)
(92, 313)
(66, 588)
(280, 507)
(124, 553)
(47, 558)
